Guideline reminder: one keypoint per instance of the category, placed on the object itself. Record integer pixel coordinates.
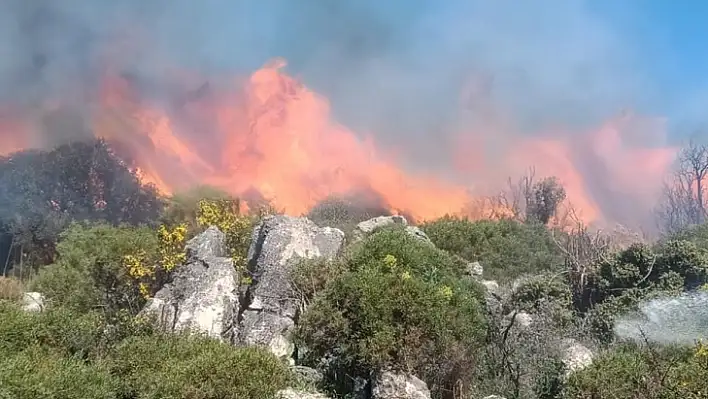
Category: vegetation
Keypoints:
(399, 303)
(507, 248)
(77, 225)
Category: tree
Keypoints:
(684, 198)
(42, 191)
(531, 200)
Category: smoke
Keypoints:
(668, 320)
(414, 73)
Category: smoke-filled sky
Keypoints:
(413, 73)
(380, 63)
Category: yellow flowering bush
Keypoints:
(149, 271)
(225, 215)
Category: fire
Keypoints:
(270, 134)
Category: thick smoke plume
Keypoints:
(471, 91)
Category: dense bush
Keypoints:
(506, 248)
(62, 353)
(403, 304)
(42, 192)
(91, 271)
(194, 367)
(641, 372)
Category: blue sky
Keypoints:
(672, 38)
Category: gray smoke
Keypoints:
(670, 320)
(395, 69)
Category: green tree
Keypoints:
(42, 192)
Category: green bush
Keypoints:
(90, 270)
(506, 248)
(402, 304)
(180, 366)
(640, 372)
(39, 372)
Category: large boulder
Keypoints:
(390, 385)
(203, 294)
(369, 226)
(270, 306)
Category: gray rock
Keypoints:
(416, 232)
(33, 302)
(203, 294)
(367, 227)
(491, 286)
(389, 385)
(494, 397)
(294, 394)
(474, 269)
(279, 243)
(575, 356)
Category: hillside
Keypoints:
(110, 290)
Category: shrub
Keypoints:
(506, 248)
(90, 271)
(39, 372)
(65, 331)
(180, 366)
(401, 304)
(11, 289)
(632, 371)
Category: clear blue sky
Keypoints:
(672, 38)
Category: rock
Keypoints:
(494, 397)
(522, 320)
(368, 226)
(389, 385)
(293, 394)
(270, 306)
(575, 356)
(32, 302)
(491, 286)
(203, 294)
(474, 269)
(416, 232)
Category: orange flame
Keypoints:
(273, 135)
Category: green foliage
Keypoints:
(39, 372)
(61, 353)
(90, 270)
(175, 367)
(506, 248)
(402, 304)
(640, 372)
(543, 200)
(42, 192)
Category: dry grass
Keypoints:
(11, 289)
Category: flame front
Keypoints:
(272, 135)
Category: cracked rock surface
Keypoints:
(270, 307)
(203, 294)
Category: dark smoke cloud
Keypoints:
(393, 68)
